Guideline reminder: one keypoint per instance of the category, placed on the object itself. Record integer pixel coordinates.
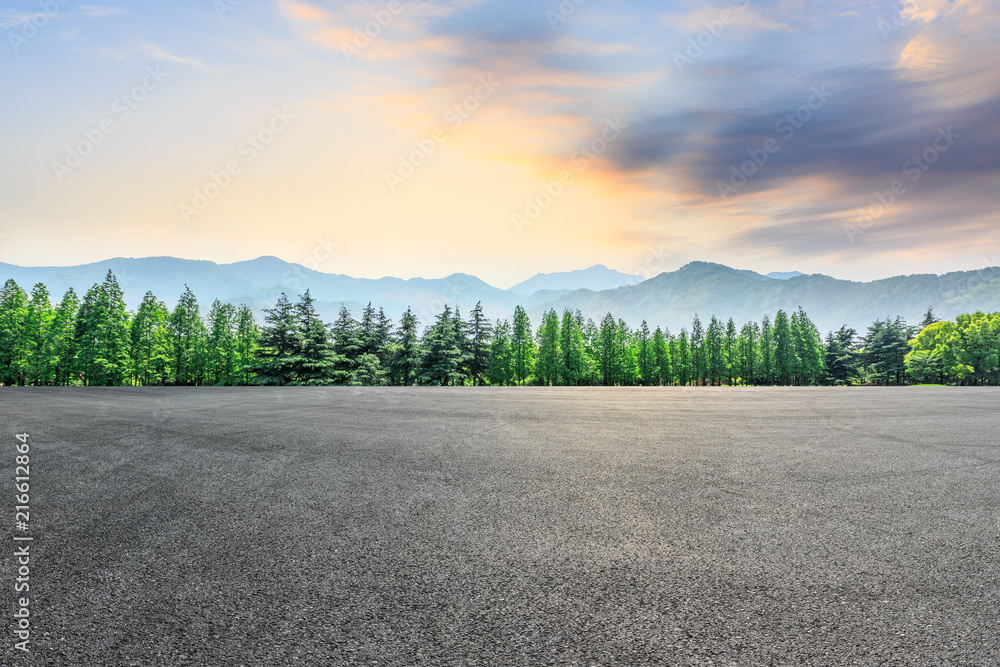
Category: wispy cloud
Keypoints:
(156, 52)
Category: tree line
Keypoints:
(97, 341)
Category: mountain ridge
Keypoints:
(668, 299)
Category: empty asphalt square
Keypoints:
(506, 526)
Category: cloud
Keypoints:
(157, 52)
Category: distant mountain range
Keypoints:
(670, 299)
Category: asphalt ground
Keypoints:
(505, 526)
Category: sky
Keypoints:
(504, 138)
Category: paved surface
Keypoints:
(254, 526)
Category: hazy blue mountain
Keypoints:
(784, 275)
(669, 299)
(702, 288)
(597, 277)
(258, 283)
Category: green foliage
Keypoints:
(103, 338)
(96, 342)
(151, 348)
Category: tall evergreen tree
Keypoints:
(13, 313)
(151, 347)
(715, 362)
(522, 346)
(247, 337)
(698, 365)
(571, 348)
(784, 349)
(442, 356)
(278, 345)
(548, 366)
(479, 332)
(102, 335)
(64, 338)
(347, 344)
(730, 353)
(315, 363)
(501, 372)
(406, 358)
(190, 340)
(662, 363)
(222, 346)
(39, 356)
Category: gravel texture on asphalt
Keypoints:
(507, 526)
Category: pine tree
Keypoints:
(479, 330)
(683, 365)
(501, 372)
(383, 339)
(715, 363)
(150, 349)
(571, 347)
(839, 355)
(13, 313)
(548, 366)
(314, 362)
(646, 356)
(784, 349)
(102, 335)
(698, 362)
(406, 358)
(278, 345)
(347, 344)
(189, 337)
(441, 358)
(222, 346)
(766, 352)
(608, 360)
(38, 351)
(369, 372)
(730, 353)
(808, 349)
(247, 336)
(662, 363)
(63, 336)
(463, 344)
(522, 346)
